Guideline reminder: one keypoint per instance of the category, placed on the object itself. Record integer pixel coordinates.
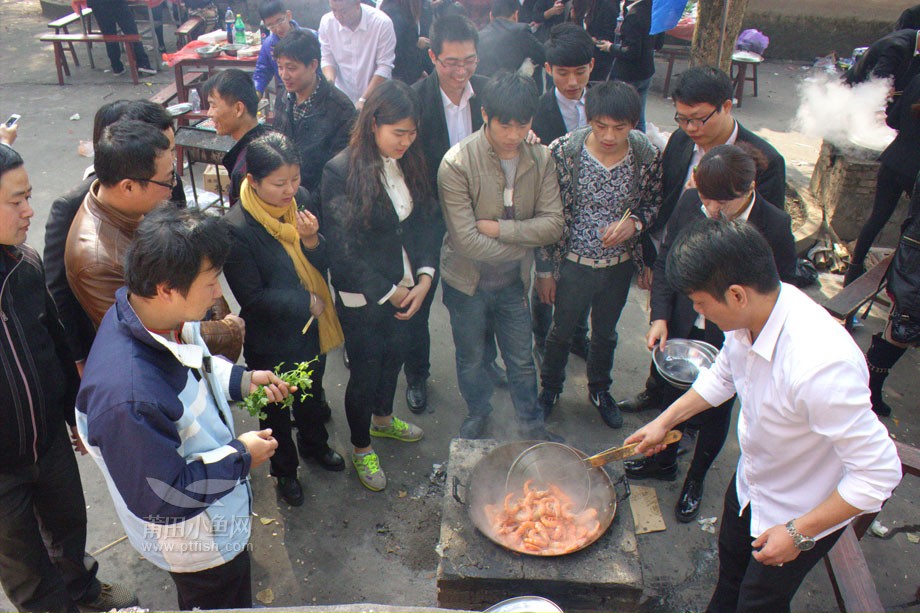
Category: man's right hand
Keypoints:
(546, 289)
(398, 296)
(260, 444)
(657, 334)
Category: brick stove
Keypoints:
(475, 573)
(843, 182)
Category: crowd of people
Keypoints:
(407, 148)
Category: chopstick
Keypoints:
(309, 323)
(625, 216)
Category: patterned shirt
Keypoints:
(602, 193)
(305, 108)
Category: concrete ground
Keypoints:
(348, 545)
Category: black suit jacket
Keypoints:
(432, 130)
(903, 154)
(504, 45)
(368, 260)
(675, 163)
(676, 308)
(548, 123)
(890, 56)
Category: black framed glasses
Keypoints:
(684, 122)
(170, 185)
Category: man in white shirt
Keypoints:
(358, 48)
(813, 455)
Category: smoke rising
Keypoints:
(845, 116)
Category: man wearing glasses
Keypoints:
(278, 21)
(451, 111)
(135, 173)
(703, 104)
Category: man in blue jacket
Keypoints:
(162, 430)
(278, 21)
(43, 561)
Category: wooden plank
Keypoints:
(92, 38)
(850, 576)
(64, 21)
(910, 458)
(646, 513)
(859, 292)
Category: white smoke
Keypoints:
(846, 116)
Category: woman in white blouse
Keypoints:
(383, 248)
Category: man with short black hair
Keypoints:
(277, 19)
(358, 48)
(487, 256)
(314, 114)
(505, 44)
(703, 104)
(813, 455)
(162, 433)
(610, 183)
(233, 107)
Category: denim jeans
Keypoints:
(604, 290)
(642, 88)
(508, 311)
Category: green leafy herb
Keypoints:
(301, 377)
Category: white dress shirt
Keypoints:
(360, 54)
(573, 111)
(459, 121)
(805, 427)
(394, 183)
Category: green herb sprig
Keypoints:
(301, 377)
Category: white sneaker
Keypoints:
(146, 71)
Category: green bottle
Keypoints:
(239, 31)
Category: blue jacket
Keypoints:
(155, 417)
(266, 66)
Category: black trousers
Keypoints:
(228, 586)
(43, 564)
(114, 14)
(376, 344)
(889, 186)
(542, 315)
(744, 583)
(312, 435)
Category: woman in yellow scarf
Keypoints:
(276, 271)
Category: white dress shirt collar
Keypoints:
(573, 111)
(457, 116)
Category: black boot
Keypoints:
(880, 357)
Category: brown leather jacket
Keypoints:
(94, 259)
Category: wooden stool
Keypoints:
(671, 53)
(739, 74)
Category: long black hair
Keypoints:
(390, 102)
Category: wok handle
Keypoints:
(626, 491)
(619, 453)
(455, 490)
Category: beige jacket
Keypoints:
(471, 184)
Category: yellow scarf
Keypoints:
(284, 231)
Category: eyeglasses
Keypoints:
(465, 64)
(276, 23)
(170, 185)
(684, 122)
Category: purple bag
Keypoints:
(752, 40)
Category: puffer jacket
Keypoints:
(39, 382)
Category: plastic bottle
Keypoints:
(239, 31)
(195, 100)
(228, 23)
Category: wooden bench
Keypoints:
(60, 60)
(672, 53)
(860, 292)
(166, 95)
(185, 32)
(62, 25)
(846, 565)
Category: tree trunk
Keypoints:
(705, 48)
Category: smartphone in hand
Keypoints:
(12, 120)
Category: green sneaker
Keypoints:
(400, 430)
(369, 472)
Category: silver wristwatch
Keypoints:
(801, 542)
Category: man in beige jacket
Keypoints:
(500, 199)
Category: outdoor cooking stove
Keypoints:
(475, 573)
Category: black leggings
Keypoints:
(888, 189)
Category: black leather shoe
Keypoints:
(290, 490)
(579, 347)
(345, 359)
(649, 468)
(473, 427)
(643, 401)
(330, 460)
(417, 396)
(497, 374)
(547, 400)
(607, 407)
(688, 505)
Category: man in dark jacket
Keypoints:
(892, 56)
(315, 115)
(505, 44)
(41, 498)
(634, 52)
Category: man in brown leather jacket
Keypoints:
(136, 173)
